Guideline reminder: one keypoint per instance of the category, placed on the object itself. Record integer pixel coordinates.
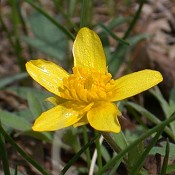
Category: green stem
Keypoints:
(107, 136)
(22, 153)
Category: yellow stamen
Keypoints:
(86, 85)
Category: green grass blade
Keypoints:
(3, 155)
(135, 18)
(140, 161)
(83, 16)
(22, 153)
(150, 117)
(132, 145)
(107, 30)
(6, 81)
(8, 33)
(86, 13)
(165, 160)
(61, 27)
(118, 56)
(165, 106)
(68, 165)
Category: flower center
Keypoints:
(87, 85)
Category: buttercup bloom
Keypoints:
(86, 95)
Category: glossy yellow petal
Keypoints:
(134, 83)
(47, 74)
(52, 100)
(103, 117)
(82, 121)
(55, 100)
(56, 118)
(88, 51)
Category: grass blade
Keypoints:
(132, 145)
(107, 30)
(140, 161)
(61, 27)
(22, 153)
(3, 155)
(68, 165)
(165, 160)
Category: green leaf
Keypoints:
(105, 153)
(34, 104)
(47, 37)
(51, 19)
(168, 110)
(8, 80)
(13, 121)
(23, 153)
(22, 91)
(162, 149)
(25, 113)
(44, 136)
(120, 155)
(170, 168)
(118, 56)
(138, 164)
(120, 140)
(70, 138)
(134, 154)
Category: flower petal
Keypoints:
(103, 117)
(56, 118)
(47, 74)
(88, 51)
(82, 121)
(55, 100)
(134, 83)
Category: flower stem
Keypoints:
(107, 136)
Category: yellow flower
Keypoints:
(86, 95)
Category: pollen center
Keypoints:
(87, 85)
